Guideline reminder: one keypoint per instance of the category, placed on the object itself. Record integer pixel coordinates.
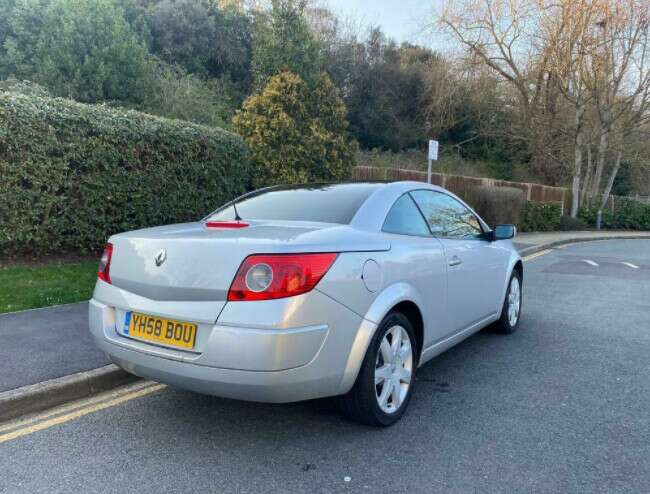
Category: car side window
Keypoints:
(404, 218)
(446, 216)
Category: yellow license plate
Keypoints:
(160, 330)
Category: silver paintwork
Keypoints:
(301, 347)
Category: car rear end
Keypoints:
(231, 307)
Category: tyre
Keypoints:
(384, 385)
(511, 311)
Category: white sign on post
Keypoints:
(433, 150)
(433, 155)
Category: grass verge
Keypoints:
(31, 287)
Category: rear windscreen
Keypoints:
(335, 203)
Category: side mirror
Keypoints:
(502, 232)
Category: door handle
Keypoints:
(455, 261)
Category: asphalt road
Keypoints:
(44, 344)
(563, 405)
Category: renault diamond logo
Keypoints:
(160, 257)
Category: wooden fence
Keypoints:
(461, 185)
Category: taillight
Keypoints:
(270, 276)
(104, 270)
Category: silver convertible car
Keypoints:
(300, 292)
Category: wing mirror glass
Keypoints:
(503, 232)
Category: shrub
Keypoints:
(497, 205)
(631, 215)
(297, 132)
(177, 94)
(28, 88)
(73, 174)
(541, 216)
(589, 216)
(568, 223)
(628, 214)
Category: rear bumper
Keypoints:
(268, 364)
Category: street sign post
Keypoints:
(433, 155)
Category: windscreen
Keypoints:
(335, 203)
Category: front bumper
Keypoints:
(291, 359)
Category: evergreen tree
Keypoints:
(296, 132)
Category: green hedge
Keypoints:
(628, 214)
(541, 216)
(72, 174)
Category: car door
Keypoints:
(418, 259)
(474, 268)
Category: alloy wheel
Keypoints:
(393, 369)
(514, 301)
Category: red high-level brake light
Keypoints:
(226, 224)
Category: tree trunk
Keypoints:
(588, 178)
(577, 162)
(600, 162)
(612, 178)
(575, 183)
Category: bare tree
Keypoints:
(594, 53)
(565, 30)
(620, 81)
(505, 36)
(501, 34)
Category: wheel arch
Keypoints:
(519, 267)
(515, 264)
(400, 296)
(414, 315)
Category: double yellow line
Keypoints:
(66, 413)
(537, 254)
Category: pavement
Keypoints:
(559, 406)
(43, 344)
(528, 243)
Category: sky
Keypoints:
(402, 20)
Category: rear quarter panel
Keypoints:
(413, 270)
